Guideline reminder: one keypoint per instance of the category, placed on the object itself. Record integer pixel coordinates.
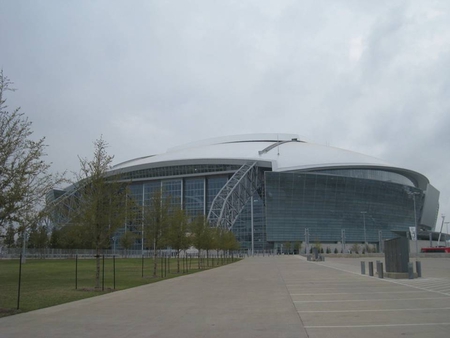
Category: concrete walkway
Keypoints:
(277, 296)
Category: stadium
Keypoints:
(270, 189)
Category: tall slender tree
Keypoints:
(177, 236)
(198, 228)
(156, 220)
(127, 241)
(102, 202)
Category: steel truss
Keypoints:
(232, 198)
(61, 210)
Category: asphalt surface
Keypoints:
(275, 296)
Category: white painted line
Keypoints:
(364, 300)
(358, 286)
(397, 282)
(367, 326)
(381, 310)
(354, 293)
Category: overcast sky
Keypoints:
(367, 76)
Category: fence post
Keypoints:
(103, 273)
(20, 280)
(76, 272)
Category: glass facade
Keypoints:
(326, 204)
(242, 229)
(179, 170)
(194, 196)
(214, 184)
(173, 189)
(369, 174)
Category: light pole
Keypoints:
(364, 223)
(415, 221)
(24, 246)
(307, 241)
(446, 233)
(440, 232)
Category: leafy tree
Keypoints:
(298, 246)
(220, 240)
(355, 248)
(156, 222)
(318, 245)
(71, 236)
(54, 238)
(230, 241)
(24, 176)
(198, 229)
(38, 237)
(287, 247)
(9, 240)
(177, 234)
(208, 240)
(102, 203)
(127, 241)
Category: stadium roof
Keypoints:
(280, 152)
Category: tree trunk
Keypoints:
(155, 262)
(97, 268)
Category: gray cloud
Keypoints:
(367, 76)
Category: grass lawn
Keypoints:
(48, 282)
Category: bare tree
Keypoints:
(24, 175)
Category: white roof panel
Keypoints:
(280, 152)
(286, 156)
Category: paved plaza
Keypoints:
(275, 296)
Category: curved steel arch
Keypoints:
(234, 195)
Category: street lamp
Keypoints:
(413, 194)
(114, 245)
(446, 233)
(364, 222)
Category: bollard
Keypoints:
(380, 270)
(315, 252)
(419, 269)
(371, 269)
(410, 271)
(363, 268)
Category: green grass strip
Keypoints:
(49, 282)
